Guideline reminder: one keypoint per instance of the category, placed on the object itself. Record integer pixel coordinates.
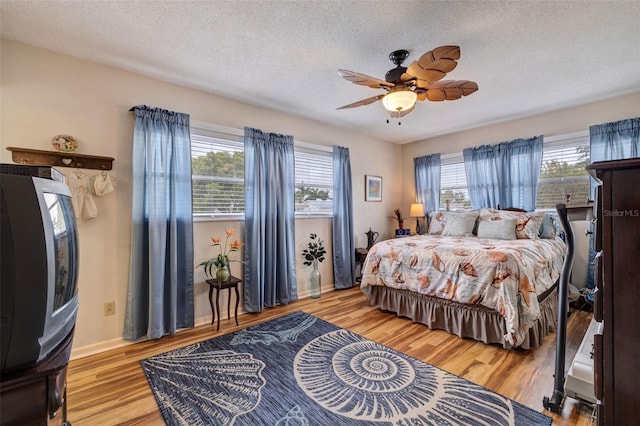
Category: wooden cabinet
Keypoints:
(617, 343)
(36, 395)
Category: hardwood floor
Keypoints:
(111, 389)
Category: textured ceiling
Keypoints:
(527, 57)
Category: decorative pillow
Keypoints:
(497, 229)
(460, 224)
(527, 224)
(437, 220)
(548, 227)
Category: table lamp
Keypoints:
(417, 211)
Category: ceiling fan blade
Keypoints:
(422, 95)
(435, 64)
(447, 90)
(364, 80)
(443, 65)
(439, 95)
(416, 71)
(363, 102)
(467, 87)
(448, 52)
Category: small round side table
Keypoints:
(232, 282)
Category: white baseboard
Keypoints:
(108, 345)
(100, 347)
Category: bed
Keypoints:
(493, 279)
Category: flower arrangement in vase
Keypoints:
(313, 254)
(221, 262)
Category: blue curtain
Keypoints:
(615, 141)
(504, 175)
(269, 272)
(518, 167)
(611, 141)
(482, 176)
(427, 181)
(160, 294)
(344, 262)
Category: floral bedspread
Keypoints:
(504, 275)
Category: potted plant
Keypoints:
(221, 262)
(313, 254)
(397, 215)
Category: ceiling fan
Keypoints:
(418, 82)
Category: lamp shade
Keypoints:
(399, 100)
(416, 210)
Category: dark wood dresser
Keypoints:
(617, 307)
(37, 395)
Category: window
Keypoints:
(218, 175)
(314, 181)
(453, 184)
(563, 170)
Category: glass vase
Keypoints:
(222, 274)
(314, 281)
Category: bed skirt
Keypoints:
(467, 321)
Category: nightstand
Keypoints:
(361, 255)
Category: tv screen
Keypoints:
(39, 267)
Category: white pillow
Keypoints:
(504, 229)
(527, 223)
(460, 224)
(437, 220)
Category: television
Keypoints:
(38, 263)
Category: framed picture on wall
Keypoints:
(372, 188)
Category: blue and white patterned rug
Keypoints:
(301, 370)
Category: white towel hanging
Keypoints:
(84, 207)
(102, 183)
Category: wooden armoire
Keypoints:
(617, 307)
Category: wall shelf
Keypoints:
(60, 159)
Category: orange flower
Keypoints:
(223, 257)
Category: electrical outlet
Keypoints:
(109, 308)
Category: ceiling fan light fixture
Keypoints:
(420, 81)
(399, 100)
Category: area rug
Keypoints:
(301, 370)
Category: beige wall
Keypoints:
(45, 94)
(554, 123)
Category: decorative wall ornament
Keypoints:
(65, 143)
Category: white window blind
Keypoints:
(563, 171)
(217, 173)
(454, 195)
(313, 180)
